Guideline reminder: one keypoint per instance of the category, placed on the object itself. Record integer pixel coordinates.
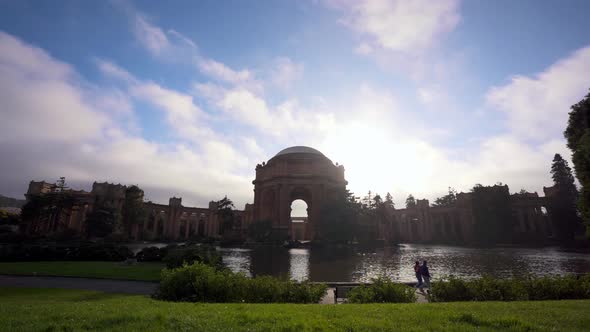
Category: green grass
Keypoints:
(108, 270)
(71, 310)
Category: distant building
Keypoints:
(163, 222)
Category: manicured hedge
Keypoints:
(382, 290)
(204, 283)
(515, 289)
(67, 252)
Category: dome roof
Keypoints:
(299, 149)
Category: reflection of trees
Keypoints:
(267, 260)
(332, 263)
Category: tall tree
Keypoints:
(562, 205)
(492, 213)
(410, 202)
(577, 134)
(339, 218)
(448, 199)
(389, 201)
(225, 211)
(133, 208)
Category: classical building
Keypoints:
(298, 172)
(294, 173)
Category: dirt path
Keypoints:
(102, 285)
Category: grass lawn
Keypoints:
(66, 310)
(110, 270)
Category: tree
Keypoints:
(492, 213)
(389, 201)
(133, 208)
(339, 218)
(100, 222)
(562, 205)
(577, 135)
(410, 202)
(225, 212)
(447, 200)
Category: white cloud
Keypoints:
(399, 25)
(219, 71)
(285, 72)
(182, 113)
(55, 124)
(151, 36)
(30, 81)
(537, 106)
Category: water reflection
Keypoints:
(348, 264)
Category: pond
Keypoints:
(350, 264)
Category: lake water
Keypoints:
(348, 264)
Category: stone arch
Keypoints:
(294, 173)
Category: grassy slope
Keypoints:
(53, 309)
(111, 270)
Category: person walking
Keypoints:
(418, 274)
(426, 276)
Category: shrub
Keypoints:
(380, 291)
(200, 282)
(531, 288)
(151, 254)
(178, 256)
(73, 252)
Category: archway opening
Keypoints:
(299, 220)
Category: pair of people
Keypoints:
(422, 275)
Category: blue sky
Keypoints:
(185, 98)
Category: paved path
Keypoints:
(102, 285)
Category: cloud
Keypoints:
(285, 72)
(182, 113)
(537, 106)
(56, 124)
(399, 25)
(152, 37)
(30, 80)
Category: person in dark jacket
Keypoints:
(418, 274)
(425, 275)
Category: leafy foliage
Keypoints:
(492, 213)
(562, 205)
(177, 256)
(260, 231)
(410, 202)
(101, 221)
(577, 134)
(339, 217)
(382, 290)
(203, 283)
(133, 209)
(446, 200)
(71, 252)
(491, 289)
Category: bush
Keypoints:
(151, 254)
(380, 291)
(178, 256)
(200, 282)
(74, 252)
(531, 288)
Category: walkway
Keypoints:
(101, 285)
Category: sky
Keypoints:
(184, 98)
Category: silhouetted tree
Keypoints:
(410, 202)
(338, 218)
(260, 231)
(133, 208)
(101, 221)
(562, 205)
(389, 201)
(225, 211)
(446, 200)
(492, 213)
(577, 134)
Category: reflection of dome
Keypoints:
(299, 149)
